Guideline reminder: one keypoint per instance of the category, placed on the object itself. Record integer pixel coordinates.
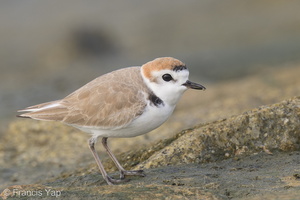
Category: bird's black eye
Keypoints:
(167, 77)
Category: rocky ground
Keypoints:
(258, 176)
(237, 140)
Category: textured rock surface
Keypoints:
(266, 128)
(259, 176)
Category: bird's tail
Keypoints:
(51, 111)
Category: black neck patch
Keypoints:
(155, 100)
(179, 68)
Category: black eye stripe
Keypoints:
(167, 77)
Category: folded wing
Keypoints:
(110, 101)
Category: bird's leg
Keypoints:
(108, 179)
(123, 172)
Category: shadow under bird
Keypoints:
(124, 103)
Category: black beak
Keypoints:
(192, 85)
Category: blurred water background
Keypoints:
(50, 48)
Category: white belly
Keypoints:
(152, 118)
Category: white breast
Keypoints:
(152, 118)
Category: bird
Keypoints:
(124, 103)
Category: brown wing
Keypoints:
(111, 100)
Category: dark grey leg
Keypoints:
(123, 172)
(108, 179)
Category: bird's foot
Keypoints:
(132, 173)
